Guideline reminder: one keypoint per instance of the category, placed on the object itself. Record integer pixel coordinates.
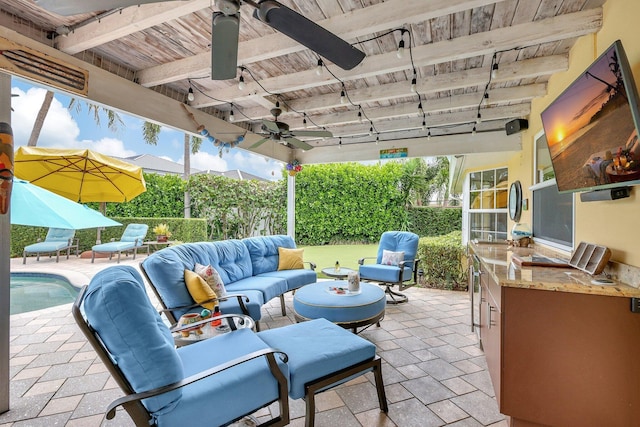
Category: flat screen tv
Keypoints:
(592, 127)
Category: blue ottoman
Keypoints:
(349, 311)
(321, 356)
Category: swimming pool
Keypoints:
(35, 291)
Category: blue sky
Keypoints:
(64, 128)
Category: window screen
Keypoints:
(553, 215)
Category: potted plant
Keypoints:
(162, 232)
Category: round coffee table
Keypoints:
(351, 311)
(343, 273)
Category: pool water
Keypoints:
(35, 291)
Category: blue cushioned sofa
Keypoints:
(248, 267)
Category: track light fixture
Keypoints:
(319, 67)
(190, 95)
(494, 70)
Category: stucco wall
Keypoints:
(610, 223)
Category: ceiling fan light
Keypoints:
(190, 95)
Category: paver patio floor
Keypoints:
(434, 372)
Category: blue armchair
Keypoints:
(215, 381)
(395, 265)
(132, 239)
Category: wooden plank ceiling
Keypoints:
(453, 45)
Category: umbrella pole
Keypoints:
(103, 210)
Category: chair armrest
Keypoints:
(361, 260)
(267, 352)
(312, 265)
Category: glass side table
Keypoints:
(205, 329)
(341, 274)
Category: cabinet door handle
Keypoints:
(490, 322)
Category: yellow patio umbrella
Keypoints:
(79, 174)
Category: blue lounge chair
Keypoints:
(132, 239)
(57, 240)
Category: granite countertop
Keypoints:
(497, 260)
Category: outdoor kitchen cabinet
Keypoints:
(558, 357)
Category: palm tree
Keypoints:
(39, 122)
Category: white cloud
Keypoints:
(59, 129)
(205, 161)
(257, 165)
(110, 147)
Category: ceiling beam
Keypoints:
(525, 69)
(128, 21)
(357, 23)
(487, 43)
(483, 142)
(516, 94)
(435, 120)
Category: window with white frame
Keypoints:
(486, 216)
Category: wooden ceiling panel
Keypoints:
(453, 43)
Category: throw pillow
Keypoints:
(200, 290)
(290, 259)
(392, 258)
(213, 279)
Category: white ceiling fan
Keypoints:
(277, 131)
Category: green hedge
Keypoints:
(184, 230)
(444, 262)
(348, 203)
(434, 221)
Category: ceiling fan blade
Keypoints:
(309, 34)
(298, 144)
(270, 126)
(225, 30)
(75, 7)
(259, 143)
(318, 133)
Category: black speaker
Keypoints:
(608, 194)
(516, 125)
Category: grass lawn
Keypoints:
(347, 255)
